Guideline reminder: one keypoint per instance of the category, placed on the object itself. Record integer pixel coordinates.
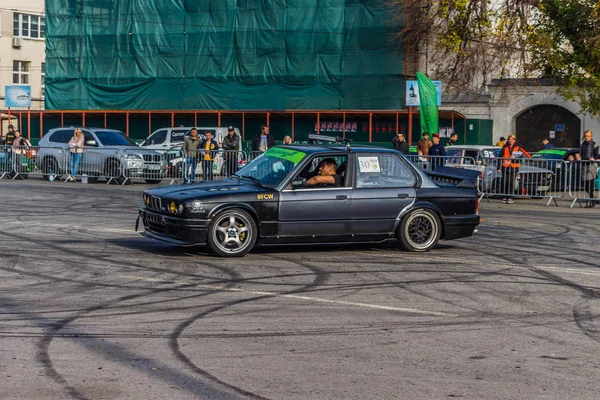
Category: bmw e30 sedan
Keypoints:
(315, 194)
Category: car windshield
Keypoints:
(550, 154)
(114, 138)
(273, 166)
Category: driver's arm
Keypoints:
(320, 179)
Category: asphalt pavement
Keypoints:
(92, 310)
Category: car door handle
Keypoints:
(403, 196)
(341, 197)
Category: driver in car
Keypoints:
(327, 174)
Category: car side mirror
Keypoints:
(298, 183)
(91, 143)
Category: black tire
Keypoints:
(49, 164)
(420, 230)
(232, 233)
(113, 169)
(152, 181)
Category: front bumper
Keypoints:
(174, 230)
(460, 226)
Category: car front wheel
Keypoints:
(420, 230)
(232, 233)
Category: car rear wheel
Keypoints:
(420, 230)
(232, 233)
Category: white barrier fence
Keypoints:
(498, 177)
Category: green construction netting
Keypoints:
(222, 54)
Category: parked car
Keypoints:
(107, 153)
(561, 154)
(381, 198)
(532, 180)
(163, 139)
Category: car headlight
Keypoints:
(196, 206)
(146, 199)
(134, 161)
(175, 207)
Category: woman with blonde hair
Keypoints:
(509, 166)
(76, 149)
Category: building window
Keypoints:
(31, 26)
(43, 75)
(21, 72)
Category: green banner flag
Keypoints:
(429, 110)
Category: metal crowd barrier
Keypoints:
(5, 161)
(535, 178)
(583, 182)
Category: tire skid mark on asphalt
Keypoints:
(304, 298)
(43, 355)
(583, 318)
(72, 227)
(320, 278)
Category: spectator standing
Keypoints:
(10, 136)
(18, 151)
(264, 141)
(589, 154)
(190, 152)
(438, 152)
(424, 144)
(76, 151)
(453, 139)
(400, 143)
(287, 140)
(501, 142)
(231, 145)
(209, 149)
(509, 166)
(547, 144)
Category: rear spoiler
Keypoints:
(460, 177)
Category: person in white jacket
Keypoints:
(76, 149)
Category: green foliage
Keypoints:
(483, 39)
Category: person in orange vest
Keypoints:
(508, 165)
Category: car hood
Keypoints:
(228, 186)
(524, 168)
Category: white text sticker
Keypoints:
(368, 164)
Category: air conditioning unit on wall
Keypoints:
(17, 41)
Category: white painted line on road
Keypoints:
(297, 297)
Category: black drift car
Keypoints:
(381, 197)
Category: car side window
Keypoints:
(471, 157)
(88, 136)
(312, 169)
(177, 135)
(382, 170)
(159, 137)
(61, 136)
